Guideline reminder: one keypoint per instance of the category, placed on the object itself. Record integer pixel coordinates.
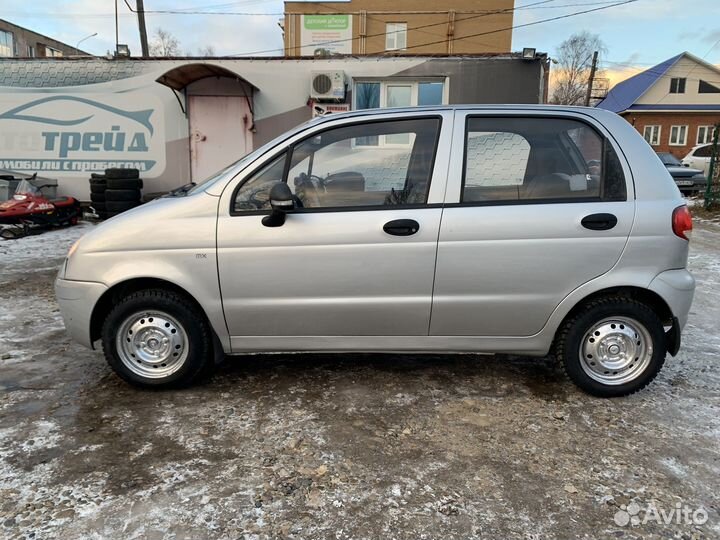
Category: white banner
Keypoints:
(326, 34)
(69, 135)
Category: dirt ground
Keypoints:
(348, 446)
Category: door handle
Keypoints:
(401, 227)
(599, 222)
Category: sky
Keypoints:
(638, 35)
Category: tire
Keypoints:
(583, 346)
(124, 183)
(120, 206)
(95, 176)
(123, 195)
(97, 197)
(99, 206)
(157, 314)
(121, 173)
(97, 188)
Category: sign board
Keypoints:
(326, 34)
(73, 135)
(321, 109)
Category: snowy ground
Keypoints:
(347, 446)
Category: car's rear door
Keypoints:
(536, 206)
(346, 263)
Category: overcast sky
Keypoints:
(639, 34)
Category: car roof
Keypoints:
(463, 107)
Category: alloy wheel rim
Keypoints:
(616, 350)
(152, 344)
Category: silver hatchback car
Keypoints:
(502, 229)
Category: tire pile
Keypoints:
(115, 191)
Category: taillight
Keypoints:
(682, 222)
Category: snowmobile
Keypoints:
(30, 210)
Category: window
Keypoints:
(7, 44)
(395, 93)
(652, 135)
(49, 51)
(705, 134)
(677, 85)
(31, 51)
(395, 36)
(678, 135)
(525, 159)
(705, 87)
(330, 170)
(254, 194)
(704, 151)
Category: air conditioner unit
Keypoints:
(327, 85)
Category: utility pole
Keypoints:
(141, 25)
(117, 31)
(591, 80)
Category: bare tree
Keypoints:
(574, 60)
(207, 50)
(163, 43)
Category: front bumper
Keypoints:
(77, 300)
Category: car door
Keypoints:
(536, 206)
(345, 262)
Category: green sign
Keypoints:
(327, 22)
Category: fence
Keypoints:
(712, 191)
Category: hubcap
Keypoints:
(616, 350)
(152, 344)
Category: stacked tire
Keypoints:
(98, 185)
(122, 191)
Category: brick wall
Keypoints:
(666, 121)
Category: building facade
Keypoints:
(19, 42)
(179, 120)
(674, 105)
(422, 27)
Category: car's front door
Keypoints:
(344, 262)
(537, 206)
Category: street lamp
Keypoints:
(77, 47)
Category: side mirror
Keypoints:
(281, 202)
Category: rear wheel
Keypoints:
(154, 338)
(612, 347)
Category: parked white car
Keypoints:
(515, 229)
(699, 158)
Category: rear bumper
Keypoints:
(77, 300)
(677, 288)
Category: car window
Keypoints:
(254, 192)
(703, 151)
(337, 168)
(525, 159)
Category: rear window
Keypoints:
(538, 159)
(703, 151)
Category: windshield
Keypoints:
(26, 188)
(669, 160)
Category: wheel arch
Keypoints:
(111, 296)
(648, 297)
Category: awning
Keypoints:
(181, 76)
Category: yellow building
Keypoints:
(424, 27)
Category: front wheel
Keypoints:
(612, 347)
(155, 338)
